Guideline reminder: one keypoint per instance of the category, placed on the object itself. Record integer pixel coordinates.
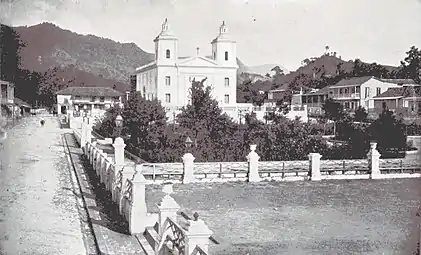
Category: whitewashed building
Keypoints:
(92, 100)
(169, 77)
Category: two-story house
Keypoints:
(350, 93)
(405, 100)
(92, 100)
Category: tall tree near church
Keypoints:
(213, 132)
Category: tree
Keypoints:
(51, 82)
(333, 111)
(10, 46)
(106, 126)
(388, 131)
(211, 130)
(362, 69)
(360, 114)
(144, 125)
(278, 71)
(411, 65)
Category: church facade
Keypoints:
(169, 77)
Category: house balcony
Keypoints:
(88, 101)
(347, 96)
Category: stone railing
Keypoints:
(169, 236)
(254, 170)
(128, 188)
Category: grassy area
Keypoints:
(328, 217)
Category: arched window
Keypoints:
(226, 55)
(168, 54)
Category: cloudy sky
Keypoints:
(267, 31)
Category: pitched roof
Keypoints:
(20, 102)
(89, 91)
(392, 92)
(353, 81)
(399, 81)
(401, 92)
(323, 91)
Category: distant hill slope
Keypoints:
(323, 66)
(265, 69)
(49, 46)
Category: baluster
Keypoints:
(401, 165)
(154, 171)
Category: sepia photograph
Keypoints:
(210, 127)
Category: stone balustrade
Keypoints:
(128, 189)
(254, 170)
(169, 235)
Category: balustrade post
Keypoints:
(188, 168)
(108, 173)
(92, 153)
(253, 164)
(83, 135)
(119, 146)
(127, 174)
(374, 161)
(103, 168)
(167, 208)
(97, 161)
(89, 130)
(138, 217)
(314, 160)
(198, 234)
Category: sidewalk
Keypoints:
(110, 229)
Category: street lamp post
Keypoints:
(188, 143)
(119, 124)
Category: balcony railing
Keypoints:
(347, 95)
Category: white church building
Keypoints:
(169, 77)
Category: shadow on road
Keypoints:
(110, 217)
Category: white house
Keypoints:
(168, 78)
(92, 100)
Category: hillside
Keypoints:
(265, 69)
(50, 46)
(315, 69)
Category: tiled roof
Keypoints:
(392, 92)
(401, 92)
(353, 81)
(90, 91)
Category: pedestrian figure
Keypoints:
(42, 122)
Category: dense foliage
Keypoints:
(216, 137)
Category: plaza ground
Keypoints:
(38, 209)
(328, 217)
